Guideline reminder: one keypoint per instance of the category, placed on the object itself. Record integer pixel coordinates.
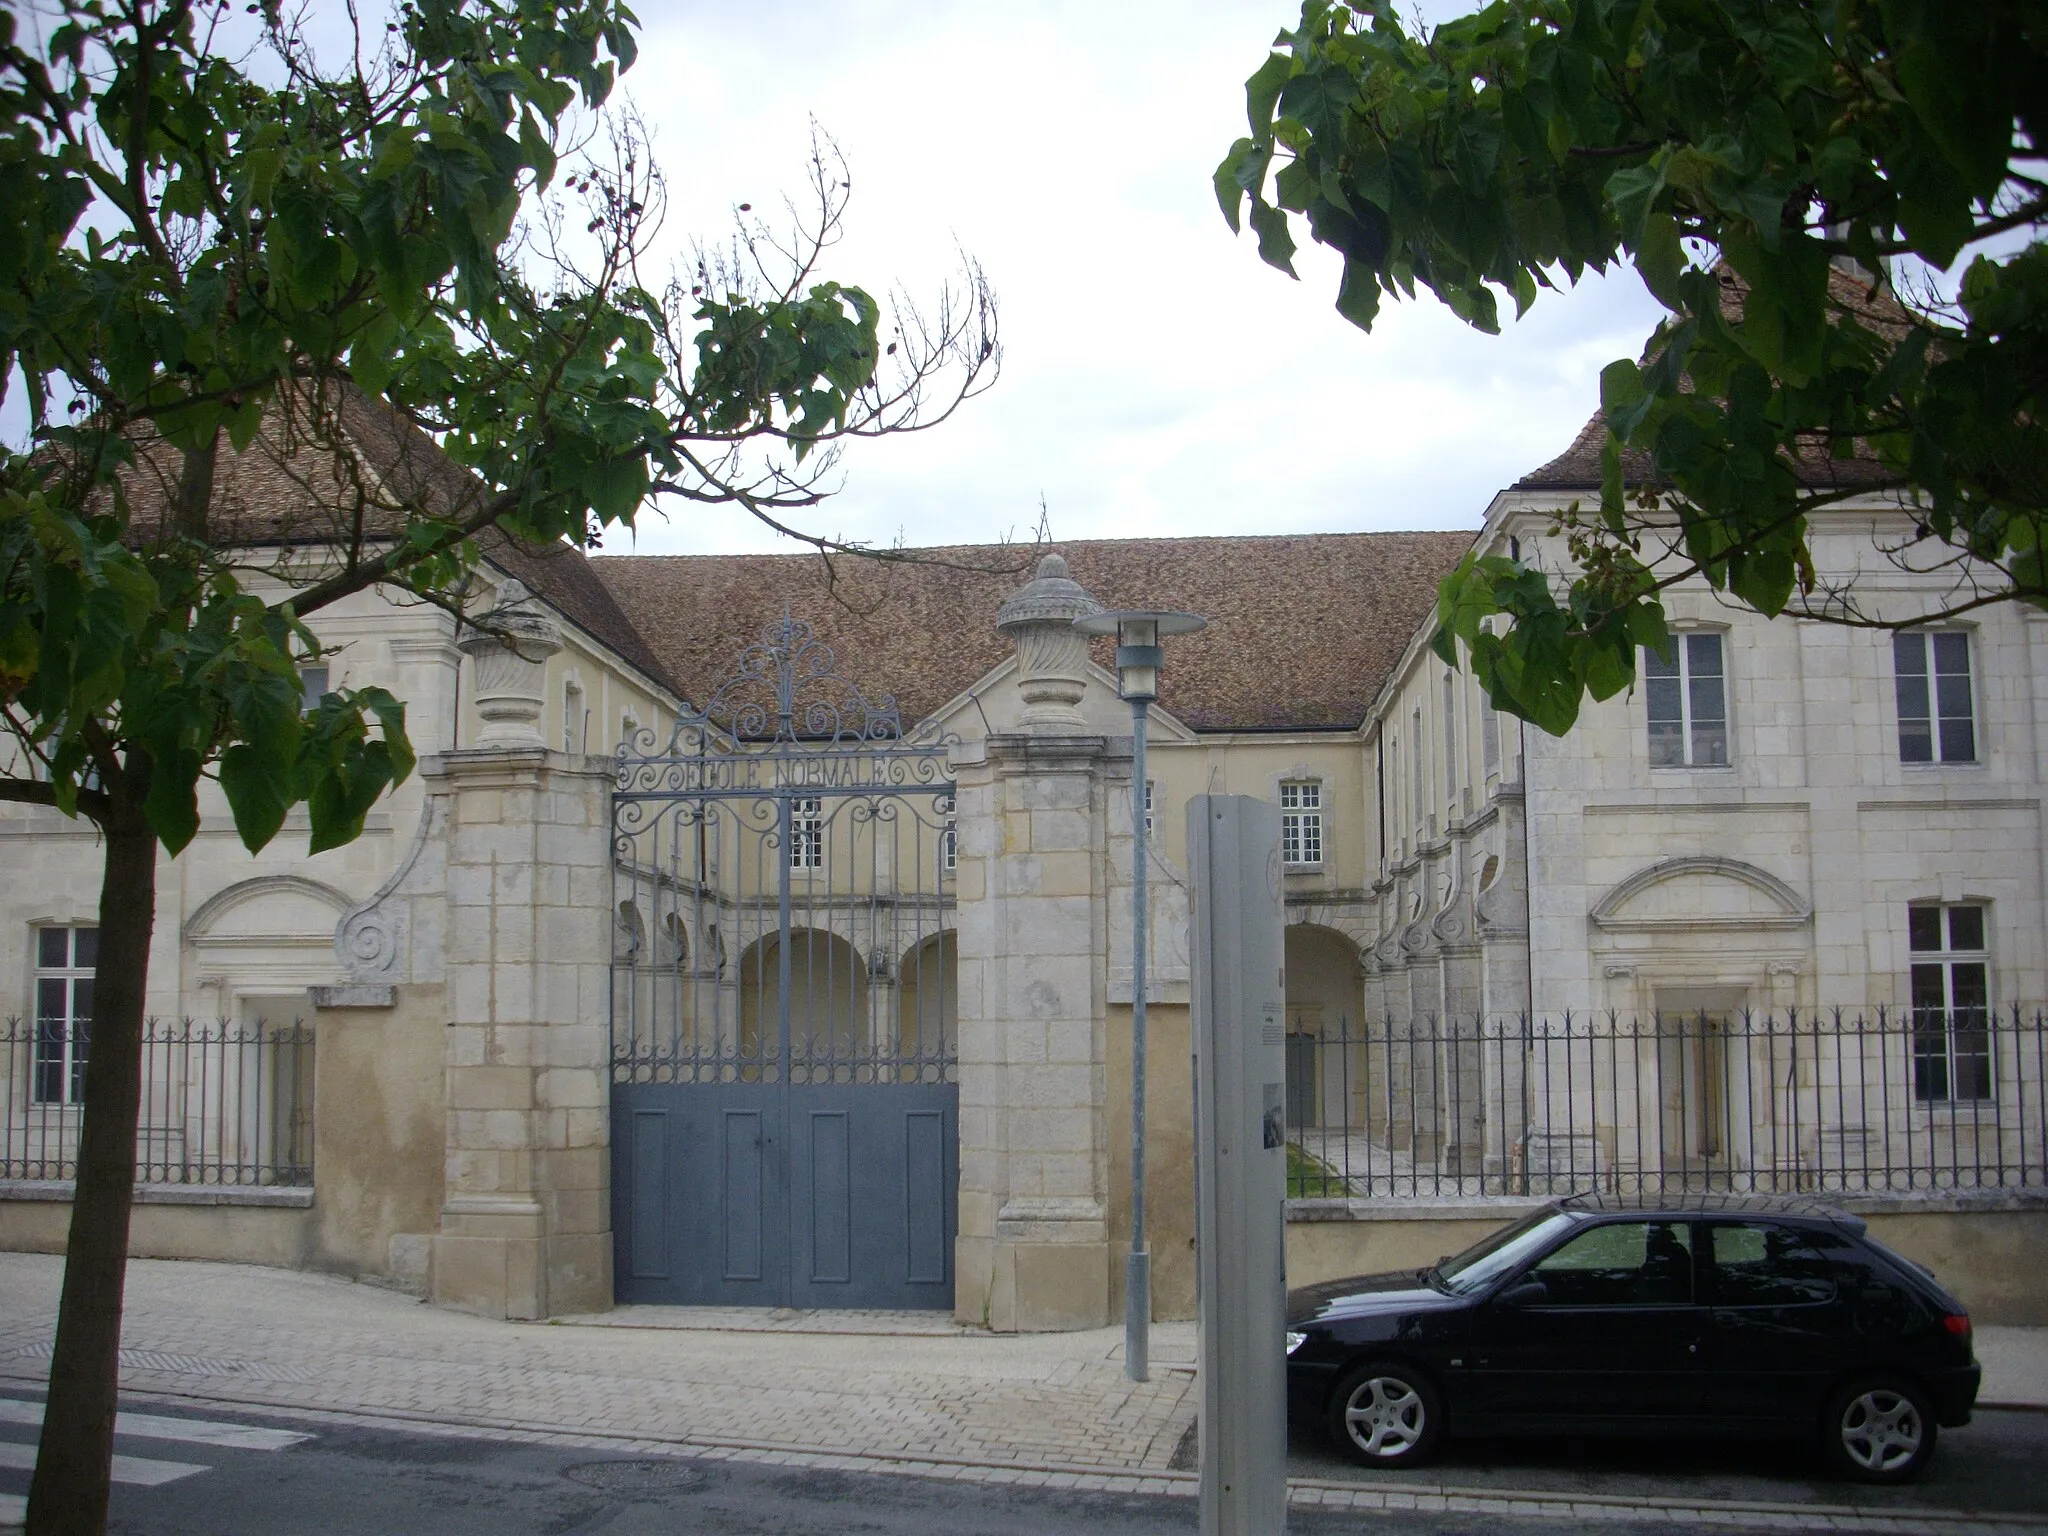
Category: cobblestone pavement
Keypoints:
(282, 1339)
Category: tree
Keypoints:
(1791, 182)
(216, 245)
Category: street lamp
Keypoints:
(1138, 659)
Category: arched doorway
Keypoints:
(928, 1004)
(829, 1016)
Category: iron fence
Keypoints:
(1918, 1100)
(222, 1103)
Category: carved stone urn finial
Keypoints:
(509, 647)
(1052, 656)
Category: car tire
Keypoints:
(1878, 1429)
(1386, 1414)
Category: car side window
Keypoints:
(1621, 1264)
(1762, 1264)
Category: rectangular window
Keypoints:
(807, 834)
(572, 718)
(1379, 771)
(1450, 737)
(1951, 1004)
(312, 688)
(1937, 723)
(64, 962)
(1688, 698)
(1301, 821)
(949, 835)
(1149, 788)
(1420, 779)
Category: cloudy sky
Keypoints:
(1159, 378)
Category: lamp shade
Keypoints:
(1138, 632)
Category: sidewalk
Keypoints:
(2015, 1362)
(285, 1339)
(879, 1392)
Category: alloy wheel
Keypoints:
(1881, 1430)
(1385, 1417)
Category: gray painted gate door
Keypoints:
(784, 1070)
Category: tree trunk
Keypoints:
(74, 1462)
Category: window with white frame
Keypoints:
(63, 975)
(1688, 699)
(949, 835)
(313, 685)
(1937, 717)
(1301, 821)
(1150, 788)
(807, 834)
(1951, 978)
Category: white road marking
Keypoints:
(139, 1471)
(150, 1426)
(13, 1508)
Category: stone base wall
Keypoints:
(379, 1129)
(1169, 1158)
(282, 1238)
(379, 1111)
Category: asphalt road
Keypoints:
(1993, 1465)
(344, 1479)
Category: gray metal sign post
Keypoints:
(1240, 1161)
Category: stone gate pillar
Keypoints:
(1032, 885)
(525, 1223)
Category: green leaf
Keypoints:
(1262, 92)
(1358, 295)
(255, 787)
(1660, 258)
(1276, 244)
(172, 804)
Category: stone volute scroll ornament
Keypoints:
(509, 646)
(1052, 656)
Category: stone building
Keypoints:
(758, 930)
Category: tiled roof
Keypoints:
(1578, 467)
(286, 490)
(1302, 629)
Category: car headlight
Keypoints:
(1295, 1340)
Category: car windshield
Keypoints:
(1491, 1257)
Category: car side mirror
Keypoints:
(1524, 1293)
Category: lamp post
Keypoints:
(1139, 656)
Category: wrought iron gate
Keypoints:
(785, 1091)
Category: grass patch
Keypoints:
(1310, 1178)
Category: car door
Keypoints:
(1604, 1327)
(1782, 1302)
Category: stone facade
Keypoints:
(455, 964)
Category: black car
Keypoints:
(1760, 1317)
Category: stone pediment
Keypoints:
(1700, 892)
(267, 910)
